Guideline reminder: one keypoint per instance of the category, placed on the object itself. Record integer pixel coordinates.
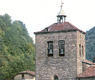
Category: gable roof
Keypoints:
(66, 26)
(89, 72)
(28, 72)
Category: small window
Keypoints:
(80, 49)
(50, 48)
(56, 77)
(61, 44)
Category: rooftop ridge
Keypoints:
(64, 26)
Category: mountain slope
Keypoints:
(90, 44)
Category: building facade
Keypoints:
(60, 51)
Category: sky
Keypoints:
(38, 14)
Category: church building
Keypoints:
(60, 53)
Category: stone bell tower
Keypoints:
(60, 49)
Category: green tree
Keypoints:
(17, 52)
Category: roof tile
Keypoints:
(27, 72)
(61, 27)
(90, 72)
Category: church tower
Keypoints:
(60, 50)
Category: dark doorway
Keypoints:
(56, 77)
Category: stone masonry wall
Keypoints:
(80, 58)
(65, 67)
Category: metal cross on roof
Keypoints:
(61, 7)
(61, 17)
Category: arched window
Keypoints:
(50, 48)
(56, 77)
(61, 44)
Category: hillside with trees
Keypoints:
(16, 48)
(90, 44)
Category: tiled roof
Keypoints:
(87, 61)
(66, 26)
(89, 72)
(28, 72)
